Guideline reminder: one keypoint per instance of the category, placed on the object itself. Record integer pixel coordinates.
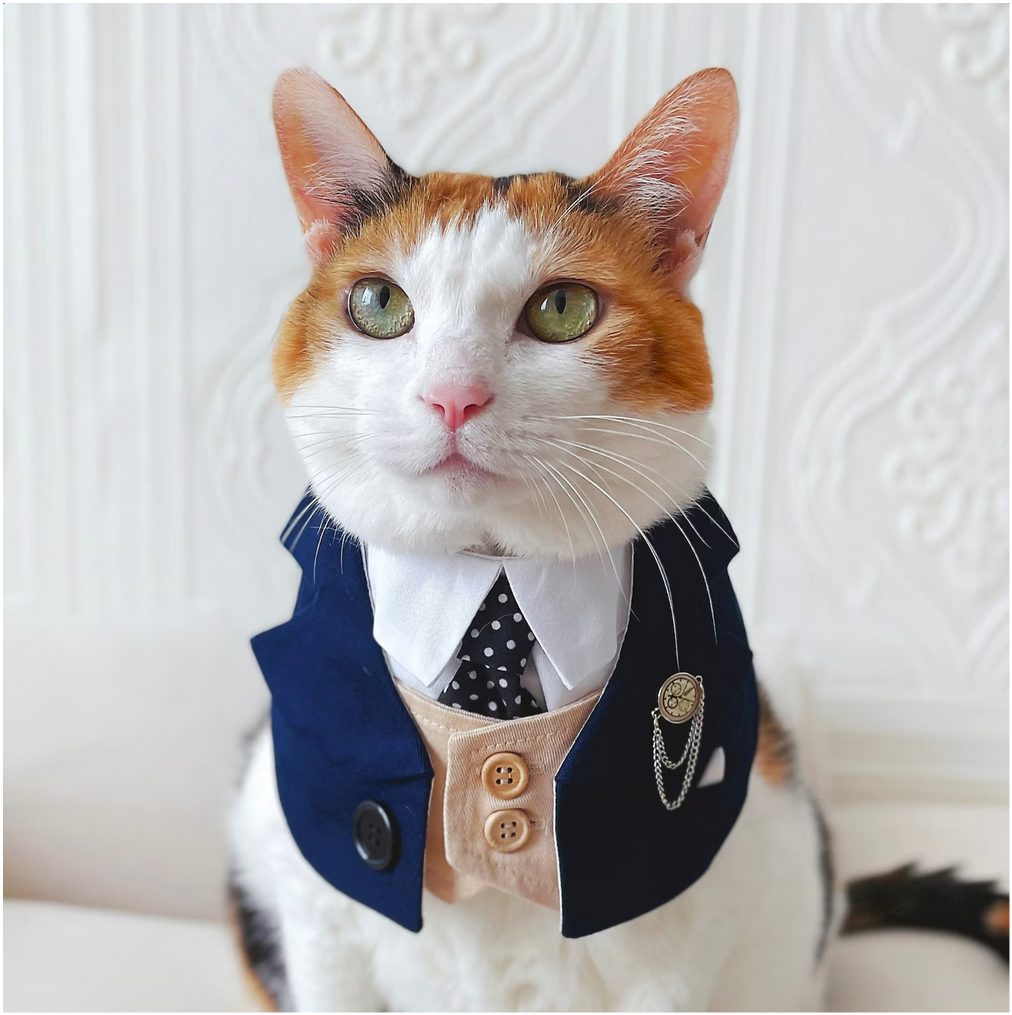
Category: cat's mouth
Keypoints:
(457, 466)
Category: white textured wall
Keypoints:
(856, 299)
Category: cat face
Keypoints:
(501, 363)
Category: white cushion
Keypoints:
(72, 958)
(121, 753)
(914, 971)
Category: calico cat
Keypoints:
(492, 378)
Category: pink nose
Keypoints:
(458, 402)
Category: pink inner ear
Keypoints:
(328, 154)
(684, 255)
(673, 166)
(322, 241)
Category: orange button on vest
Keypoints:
(505, 775)
(507, 831)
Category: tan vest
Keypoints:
(492, 808)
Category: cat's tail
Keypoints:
(932, 901)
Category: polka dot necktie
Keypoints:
(492, 658)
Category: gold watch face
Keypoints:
(680, 697)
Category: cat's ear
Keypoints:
(673, 167)
(335, 167)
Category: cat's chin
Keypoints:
(422, 529)
(410, 524)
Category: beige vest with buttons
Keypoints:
(492, 808)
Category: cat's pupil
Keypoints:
(384, 297)
(560, 301)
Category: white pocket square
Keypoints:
(714, 771)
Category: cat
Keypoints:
(512, 367)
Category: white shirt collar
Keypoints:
(423, 605)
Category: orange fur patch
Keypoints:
(774, 759)
(256, 987)
(649, 341)
(996, 918)
(301, 337)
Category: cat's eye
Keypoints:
(380, 309)
(561, 312)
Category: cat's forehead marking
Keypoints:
(473, 272)
(487, 244)
(536, 199)
(470, 250)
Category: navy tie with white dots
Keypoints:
(492, 658)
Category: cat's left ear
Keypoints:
(672, 168)
(335, 167)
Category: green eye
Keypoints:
(380, 309)
(561, 312)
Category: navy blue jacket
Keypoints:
(342, 735)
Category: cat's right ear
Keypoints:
(335, 167)
(672, 169)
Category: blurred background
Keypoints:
(856, 298)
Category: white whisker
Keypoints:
(634, 419)
(597, 525)
(636, 466)
(562, 514)
(650, 547)
(663, 440)
(636, 486)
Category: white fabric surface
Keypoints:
(121, 752)
(424, 605)
(74, 958)
(910, 971)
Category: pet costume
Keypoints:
(369, 785)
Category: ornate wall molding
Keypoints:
(975, 48)
(893, 457)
